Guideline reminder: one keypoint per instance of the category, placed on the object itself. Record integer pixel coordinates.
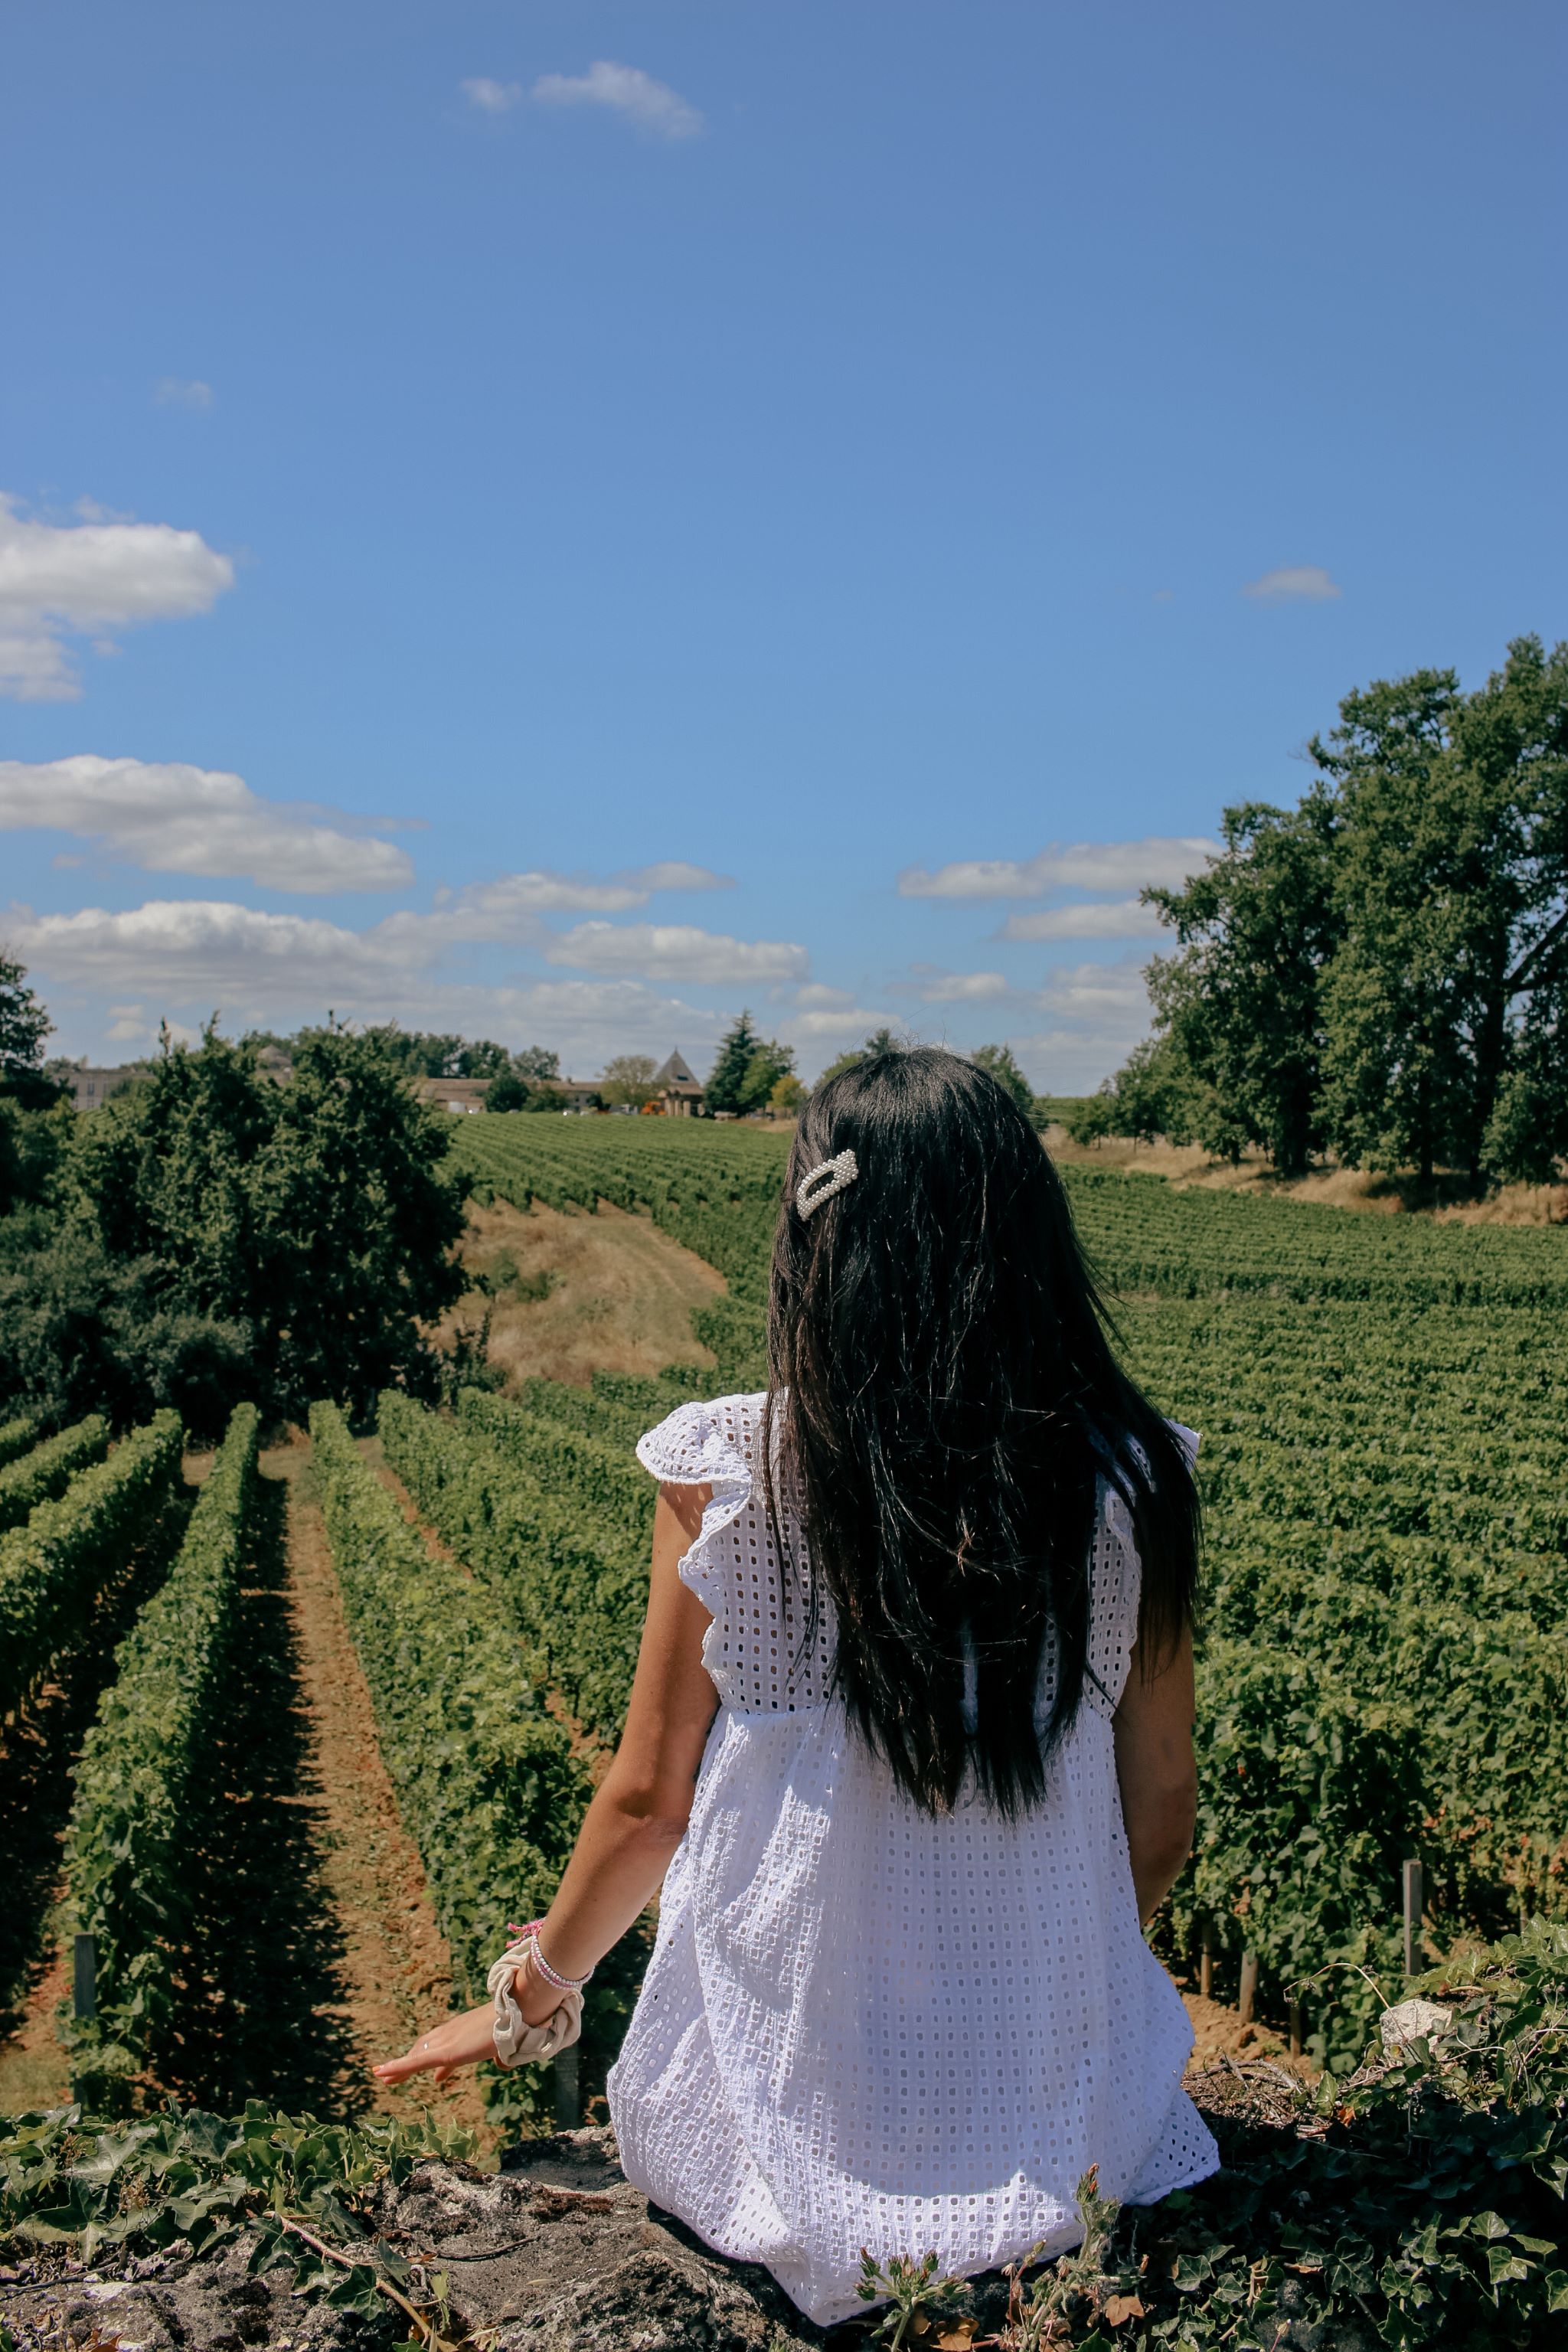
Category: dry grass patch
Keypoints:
(1183, 1164)
(573, 1294)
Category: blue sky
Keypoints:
(562, 520)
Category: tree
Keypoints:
(1383, 970)
(1239, 1001)
(628, 1079)
(1444, 1004)
(1000, 1061)
(30, 1137)
(23, 1023)
(786, 1095)
(747, 1068)
(1155, 1096)
(311, 1223)
(508, 1092)
(536, 1062)
(430, 1053)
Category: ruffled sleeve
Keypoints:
(701, 1445)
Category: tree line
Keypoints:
(1379, 973)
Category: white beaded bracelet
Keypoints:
(530, 1934)
(513, 2038)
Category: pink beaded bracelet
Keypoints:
(530, 1934)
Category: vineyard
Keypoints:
(1383, 1666)
(1384, 1659)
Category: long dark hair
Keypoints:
(946, 1400)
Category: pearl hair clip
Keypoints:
(829, 1176)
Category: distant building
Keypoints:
(679, 1090)
(91, 1085)
(452, 1094)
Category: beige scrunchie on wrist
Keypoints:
(514, 2038)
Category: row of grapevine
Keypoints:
(43, 1473)
(17, 1434)
(52, 1568)
(572, 1574)
(486, 1781)
(706, 1186)
(143, 1782)
(1384, 1668)
(1142, 1232)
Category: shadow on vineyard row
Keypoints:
(259, 1976)
(254, 1965)
(38, 1748)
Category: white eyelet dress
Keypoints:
(863, 2026)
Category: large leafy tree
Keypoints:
(628, 1079)
(1238, 1000)
(432, 1053)
(224, 1236)
(1443, 1007)
(23, 1023)
(1383, 968)
(30, 1137)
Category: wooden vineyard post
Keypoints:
(1248, 2000)
(1415, 1902)
(568, 2105)
(84, 1976)
(1206, 1967)
(1298, 2040)
(84, 1991)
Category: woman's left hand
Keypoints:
(461, 2040)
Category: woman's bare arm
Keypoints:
(640, 1811)
(1157, 1772)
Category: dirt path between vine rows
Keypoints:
(381, 1963)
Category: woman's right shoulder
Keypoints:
(704, 1441)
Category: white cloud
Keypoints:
(1097, 991)
(1071, 865)
(676, 874)
(1098, 1012)
(1090, 919)
(1294, 583)
(676, 951)
(172, 391)
(652, 105)
(505, 908)
(173, 958)
(809, 1021)
(491, 97)
(188, 947)
(934, 986)
(171, 818)
(62, 580)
